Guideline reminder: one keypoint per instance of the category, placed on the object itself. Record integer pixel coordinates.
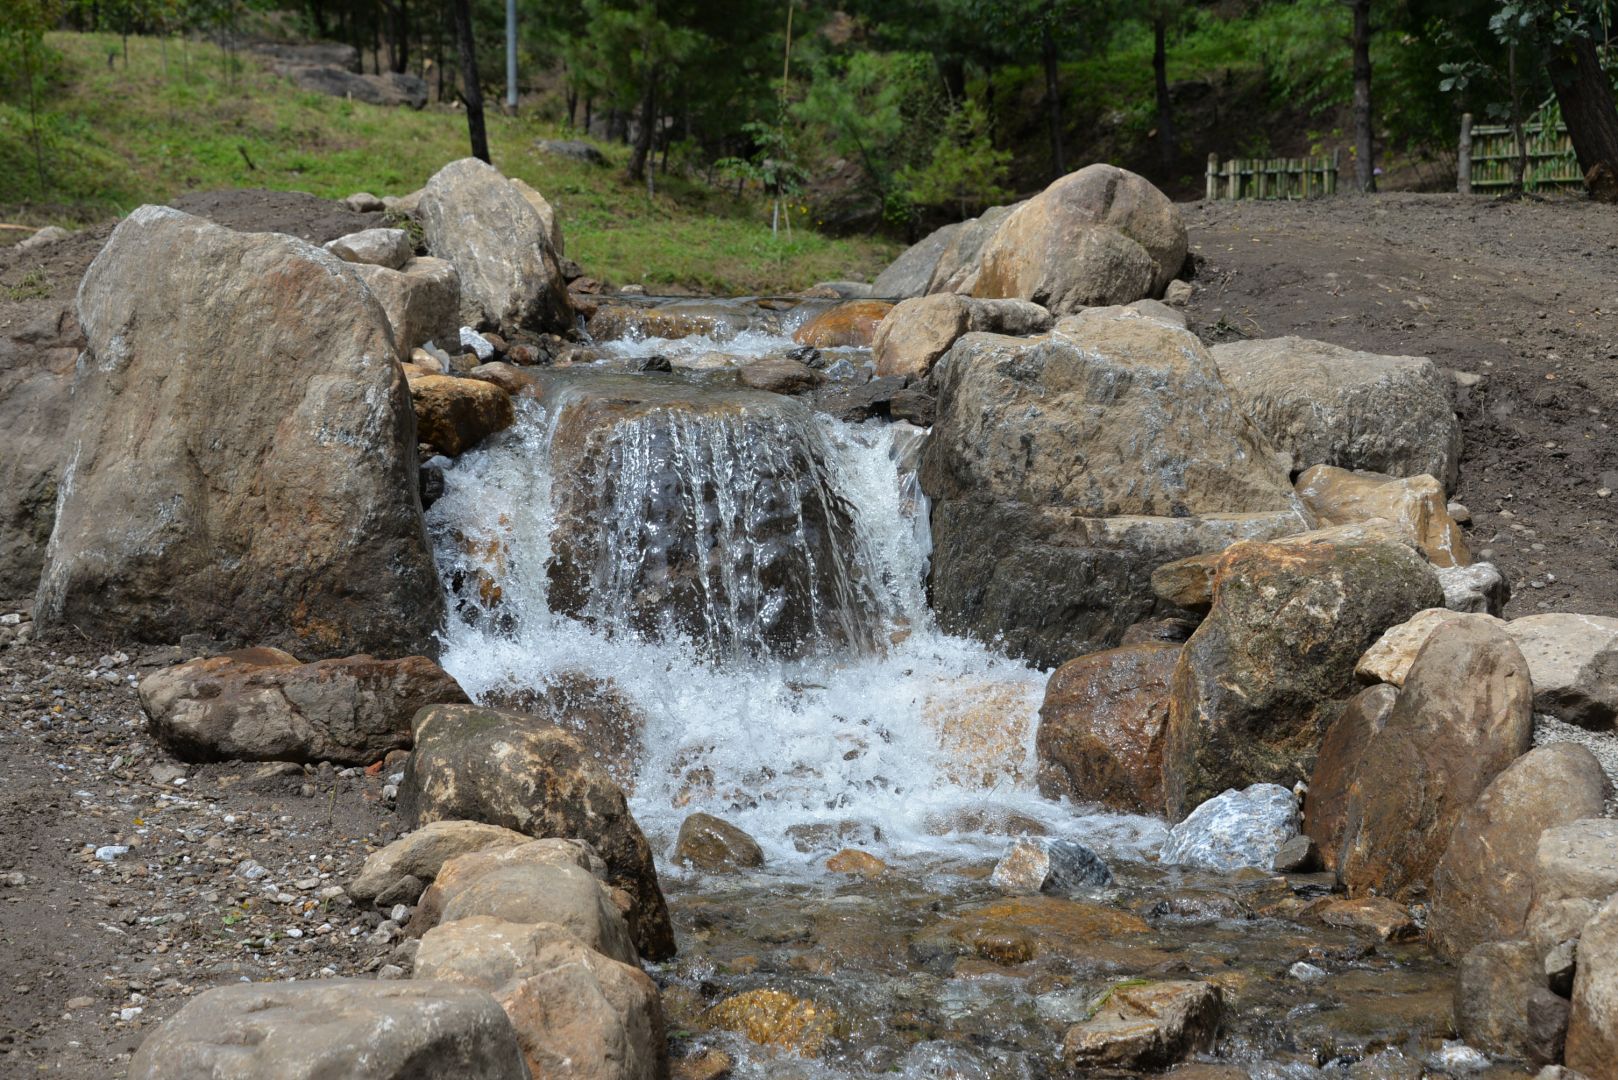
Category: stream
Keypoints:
(750, 575)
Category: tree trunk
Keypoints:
(1053, 101)
(401, 35)
(648, 126)
(471, 89)
(1364, 146)
(1585, 96)
(572, 106)
(1167, 151)
(317, 14)
(1519, 169)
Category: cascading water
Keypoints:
(750, 576)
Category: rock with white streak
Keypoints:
(1235, 829)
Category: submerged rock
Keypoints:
(1145, 1025)
(1049, 865)
(775, 1018)
(711, 844)
(1492, 989)
(242, 462)
(1235, 829)
(848, 325)
(357, 1028)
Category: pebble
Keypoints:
(80, 1003)
(110, 852)
(1306, 972)
(400, 914)
(126, 1015)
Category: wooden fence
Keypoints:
(1487, 157)
(1272, 178)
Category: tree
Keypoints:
(1364, 116)
(1585, 95)
(471, 90)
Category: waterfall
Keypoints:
(664, 558)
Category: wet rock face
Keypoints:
(356, 1028)
(241, 460)
(1325, 806)
(1492, 989)
(1235, 829)
(1257, 682)
(681, 318)
(1101, 726)
(1098, 236)
(454, 415)
(1484, 882)
(1327, 405)
(850, 325)
(701, 513)
(481, 222)
(262, 705)
(1089, 456)
(1463, 716)
(521, 773)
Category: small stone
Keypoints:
(390, 971)
(477, 343)
(165, 773)
(1603, 493)
(1297, 856)
(1306, 972)
(80, 1002)
(110, 852)
(405, 891)
(126, 1015)
(712, 844)
(400, 914)
(1560, 966)
(853, 861)
(1049, 865)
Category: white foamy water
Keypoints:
(921, 748)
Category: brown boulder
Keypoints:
(1485, 880)
(1146, 1027)
(712, 844)
(244, 455)
(917, 332)
(262, 705)
(455, 415)
(420, 854)
(1100, 735)
(1390, 658)
(1098, 236)
(1417, 505)
(1464, 715)
(1592, 1029)
(1325, 804)
(780, 375)
(512, 770)
(1258, 681)
(847, 325)
(1492, 990)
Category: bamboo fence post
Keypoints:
(1213, 177)
(1463, 157)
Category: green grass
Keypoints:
(115, 138)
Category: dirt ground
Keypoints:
(1524, 294)
(231, 869)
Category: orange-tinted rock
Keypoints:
(847, 325)
(1187, 583)
(1416, 504)
(1325, 804)
(455, 415)
(1464, 715)
(852, 861)
(1145, 1027)
(1376, 915)
(1101, 726)
(775, 1018)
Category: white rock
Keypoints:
(1235, 829)
(471, 339)
(110, 852)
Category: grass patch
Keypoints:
(33, 286)
(178, 120)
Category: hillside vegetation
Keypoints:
(179, 118)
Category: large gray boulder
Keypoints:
(1088, 456)
(1575, 871)
(359, 1029)
(388, 88)
(1573, 660)
(1327, 405)
(957, 268)
(37, 355)
(500, 245)
(241, 459)
(1098, 236)
(909, 274)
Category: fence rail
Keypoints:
(1487, 157)
(1272, 178)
